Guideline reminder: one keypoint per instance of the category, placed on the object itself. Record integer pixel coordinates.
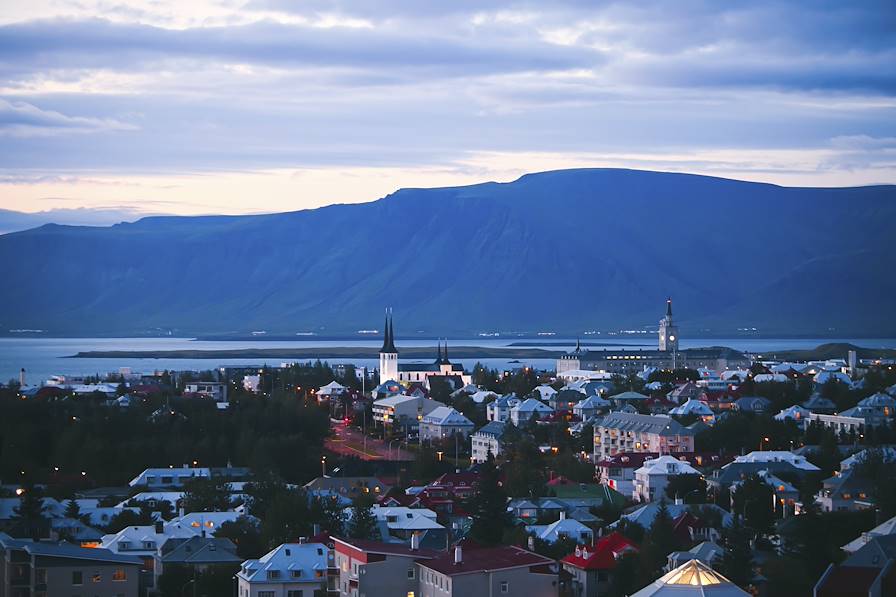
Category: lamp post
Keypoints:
(323, 466)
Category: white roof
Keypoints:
(794, 412)
(445, 415)
(393, 401)
(532, 405)
(199, 521)
(887, 527)
(691, 407)
(592, 402)
(666, 465)
(159, 496)
(692, 578)
(296, 562)
(771, 377)
(137, 536)
(482, 395)
(546, 391)
(823, 377)
(552, 532)
(405, 519)
(784, 367)
(778, 456)
(741, 373)
(887, 453)
(170, 472)
(331, 388)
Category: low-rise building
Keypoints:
(443, 423)
(48, 569)
(373, 568)
(289, 570)
(403, 412)
(591, 567)
(627, 432)
(497, 571)
(528, 410)
(564, 528)
(216, 390)
(652, 478)
(487, 439)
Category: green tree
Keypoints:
(753, 501)
(626, 578)
(737, 561)
(202, 494)
(690, 488)
(29, 514)
(72, 510)
(488, 506)
(659, 543)
(362, 524)
(287, 518)
(245, 533)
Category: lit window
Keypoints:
(119, 575)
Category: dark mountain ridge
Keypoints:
(565, 251)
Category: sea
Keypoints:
(45, 357)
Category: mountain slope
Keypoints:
(566, 250)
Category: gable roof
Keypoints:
(603, 555)
(658, 424)
(480, 559)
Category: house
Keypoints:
(480, 397)
(765, 456)
(694, 407)
(823, 377)
(626, 432)
(402, 412)
(499, 410)
(527, 410)
(198, 554)
(444, 422)
(817, 404)
(886, 453)
(154, 499)
(399, 524)
(156, 478)
(346, 487)
(752, 404)
(684, 392)
(771, 378)
(618, 471)
(870, 570)
(40, 568)
(330, 391)
(487, 439)
(373, 568)
(590, 407)
(545, 392)
(496, 571)
(707, 552)
(203, 522)
(628, 397)
(793, 413)
(289, 570)
(216, 390)
(691, 579)
(845, 491)
(884, 529)
(591, 567)
(653, 477)
(564, 528)
(646, 514)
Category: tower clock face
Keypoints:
(672, 338)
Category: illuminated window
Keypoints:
(97, 577)
(119, 575)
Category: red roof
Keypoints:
(603, 555)
(368, 546)
(485, 558)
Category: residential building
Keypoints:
(563, 528)
(707, 552)
(499, 409)
(403, 412)
(845, 491)
(198, 554)
(886, 528)
(590, 407)
(591, 567)
(289, 570)
(443, 423)
(487, 439)
(346, 487)
(527, 410)
(373, 568)
(216, 390)
(42, 569)
(497, 571)
(870, 571)
(653, 477)
(627, 432)
(156, 478)
(838, 423)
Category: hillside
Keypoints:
(566, 251)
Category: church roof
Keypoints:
(389, 337)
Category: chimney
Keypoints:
(180, 512)
(562, 514)
(458, 555)
(159, 527)
(315, 529)
(415, 542)
(22, 377)
(303, 540)
(531, 543)
(678, 501)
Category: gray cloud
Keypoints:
(26, 120)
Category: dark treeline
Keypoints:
(54, 440)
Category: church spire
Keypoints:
(446, 361)
(389, 337)
(439, 353)
(669, 307)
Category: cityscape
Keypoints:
(338, 298)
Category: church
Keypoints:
(666, 356)
(405, 373)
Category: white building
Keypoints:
(653, 477)
(443, 422)
(215, 390)
(499, 410)
(290, 570)
(778, 456)
(403, 411)
(487, 439)
(529, 409)
(627, 432)
(251, 383)
(154, 478)
(565, 528)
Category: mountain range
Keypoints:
(566, 251)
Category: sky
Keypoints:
(246, 106)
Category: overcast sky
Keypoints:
(235, 106)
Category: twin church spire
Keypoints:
(389, 339)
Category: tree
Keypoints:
(737, 561)
(488, 507)
(363, 524)
(73, 510)
(287, 518)
(625, 579)
(128, 518)
(202, 494)
(29, 514)
(690, 488)
(245, 534)
(753, 501)
(660, 542)
(261, 491)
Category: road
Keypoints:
(350, 442)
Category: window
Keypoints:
(296, 573)
(96, 577)
(77, 577)
(410, 573)
(40, 576)
(266, 594)
(294, 593)
(119, 575)
(273, 574)
(505, 586)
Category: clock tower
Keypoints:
(668, 331)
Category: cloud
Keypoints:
(21, 119)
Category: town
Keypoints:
(619, 472)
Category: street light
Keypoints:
(323, 466)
